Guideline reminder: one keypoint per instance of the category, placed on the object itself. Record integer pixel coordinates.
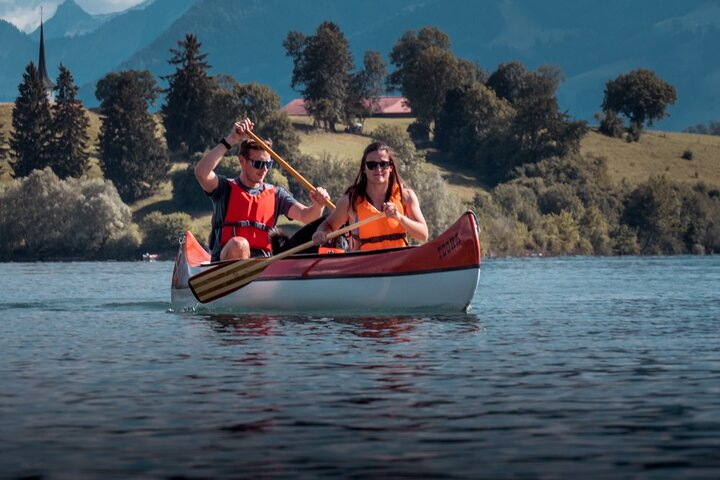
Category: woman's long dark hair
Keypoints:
(358, 190)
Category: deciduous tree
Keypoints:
(425, 70)
(513, 82)
(641, 96)
(321, 72)
(261, 104)
(366, 86)
(472, 121)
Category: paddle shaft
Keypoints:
(225, 279)
(286, 165)
(309, 244)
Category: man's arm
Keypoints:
(308, 214)
(205, 168)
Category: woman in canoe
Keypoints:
(378, 187)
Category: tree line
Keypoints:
(506, 125)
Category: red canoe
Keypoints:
(438, 276)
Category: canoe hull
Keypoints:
(436, 292)
(439, 276)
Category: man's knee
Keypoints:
(236, 248)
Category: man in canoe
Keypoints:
(378, 187)
(246, 209)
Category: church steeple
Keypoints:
(42, 69)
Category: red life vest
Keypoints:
(382, 233)
(249, 216)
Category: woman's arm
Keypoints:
(413, 221)
(339, 216)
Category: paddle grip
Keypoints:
(286, 166)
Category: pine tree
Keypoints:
(186, 111)
(69, 145)
(31, 121)
(131, 155)
(3, 150)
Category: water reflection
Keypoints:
(242, 325)
(383, 329)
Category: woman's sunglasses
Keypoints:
(373, 165)
(258, 164)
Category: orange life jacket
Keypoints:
(249, 216)
(382, 233)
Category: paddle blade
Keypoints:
(225, 279)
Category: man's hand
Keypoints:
(319, 196)
(239, 130)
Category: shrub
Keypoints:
(518, 201)
(557, 198)
(653, 210)
(406, 153)
(161, 231)
(500, 234)
(44, 216)
(331, 172)
(687, 154)
(439, 205)
(561, 235)
(595, 228)
(611, 124)
(625, 241)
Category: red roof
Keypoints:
(296, 107)
(391, 106)
(384, 106)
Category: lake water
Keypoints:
(564, 368)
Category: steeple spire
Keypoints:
(42, 70)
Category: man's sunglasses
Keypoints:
(258, 164)
(373, 165)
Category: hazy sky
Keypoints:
(25, 14)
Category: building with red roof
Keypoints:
(384, 107)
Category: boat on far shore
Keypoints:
(150, 257)
(438, 276)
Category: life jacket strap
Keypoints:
(382, 238)
(245, 224)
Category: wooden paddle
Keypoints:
(229, 277)
(286, 165)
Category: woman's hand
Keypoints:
(390, 210)
(320, 235)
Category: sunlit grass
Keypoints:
(659, 153)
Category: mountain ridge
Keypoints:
(70, 20)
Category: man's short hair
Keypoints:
(250, 144)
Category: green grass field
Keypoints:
(657, 153)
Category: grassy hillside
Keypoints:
(656, 153)
(659, 153)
